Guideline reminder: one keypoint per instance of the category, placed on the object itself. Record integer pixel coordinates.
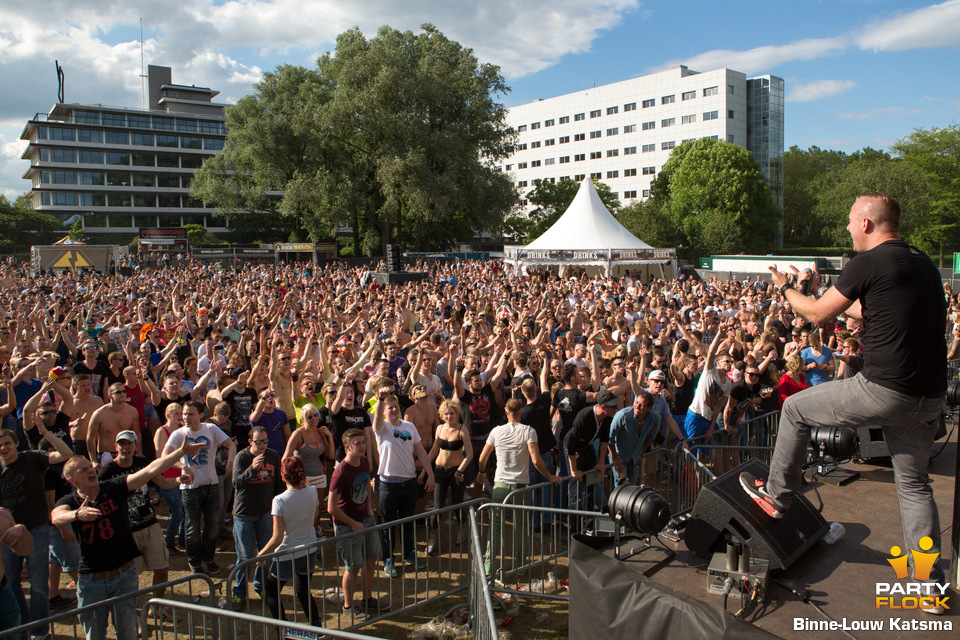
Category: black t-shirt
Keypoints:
(139, 509)
(60, 428)
(742, 395)
(111, 379)
(479, 412)
(344, 419)
(536, 414)
(255, 487)
(568, 402)
(98, 373)
(904, 316)
(53, 480)
(164, 403)
(21, 489)
(587, 427)
(241, 406)
(105, 543)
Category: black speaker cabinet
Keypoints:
(723, 506)
(874, 445)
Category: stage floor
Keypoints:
(842, 577)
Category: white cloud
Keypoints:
(877, 112)
(818, 89)
(763, 58)
(11, 165)
(930, 27)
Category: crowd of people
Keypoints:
(281, 404)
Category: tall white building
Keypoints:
(623, 133)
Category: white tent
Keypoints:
(587, 234)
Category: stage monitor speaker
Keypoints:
(723, 506)
(874, 445)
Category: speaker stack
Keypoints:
(723, 507)
(394, 258)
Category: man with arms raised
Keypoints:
(896, 290)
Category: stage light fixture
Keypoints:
(640, 509)
(836, 442)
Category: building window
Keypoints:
(647, 126)
(191, 162)
(521, 165)
(649, 171)
(595, 113)
(730, 89)
(579, 157)
(562, 178)
(647, 148)
(213, 144)
(714, 137)
(86, 117)
(509, 167)
(710, 91)
(90, 177)
(613, 174)
(534, 163)
(522, 184)
(613, 131)
(629, 151)
(521, 128)
(668, 99)
(89, 135)
(578, 117)
(613, 153)
(92, 199)
(688, 95)
(143, 160)
(630, 128)
(730, 139)
(212, 127)
(630, 107)
(114, 120)
(710, 115)
(65, 199)
(629, 173)
(550, 180)
(612, 110)
(579, 177)
(596, 155)
(564, 119)
(522, 146)
(595, 134)
(549, 123)
(168, 181)
(117, 158)
(688, 140)
(188, 126)
(629, 194)
(138, 122)
(564, 159)
(596, 176)
(164, 140)
(141, 139)
(144, 180)
(523, 202)
(549, 161)
(649, 103)
(116, 137)
(534, 125)
(646, 193)
(58, 155)
(579, 137)
(668, 122)
(118, 179)
(730, 113)
(564, 139)
(688, 119)
(535, 144)
(666, 146)
(549, 143)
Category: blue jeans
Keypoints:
(124, 613)
(397, 500)
(250, 534)
(908, 424)
(175, 504)
(9, 609)
(201, 508)
(542, 497)
(38, 571)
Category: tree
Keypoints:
(396, 136)
(553, 199)
(804, 173)
(718, 197)
(935, 153)
(199, 234)
(648, 221)
(21, 226)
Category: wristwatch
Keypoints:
(786, 285)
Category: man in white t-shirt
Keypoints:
(201, 498)
(713, 387)
(516, 446)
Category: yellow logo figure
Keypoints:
(900, 564)
(923, 562)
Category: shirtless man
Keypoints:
(109, 420)
(282, 382)
(84, 405)
(422, 414)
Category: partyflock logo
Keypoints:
(922, 594)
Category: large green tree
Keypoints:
(552, 199)
(718, 197)
(935, 153)
(21, 226)
(396, 136)
(648, 221)
(804, 173)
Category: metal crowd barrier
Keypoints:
(446, 572)
(484, 622)
(214, 622)
(76, 629)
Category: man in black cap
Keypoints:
(591, 423)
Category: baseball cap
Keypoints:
(607, 398)
(656, 374)
(128, 435)
(735, 375)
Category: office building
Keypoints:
(623, 133)
(124, 169)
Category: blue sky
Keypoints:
(858, 73)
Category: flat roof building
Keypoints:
(121, 169)
(623, 133)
